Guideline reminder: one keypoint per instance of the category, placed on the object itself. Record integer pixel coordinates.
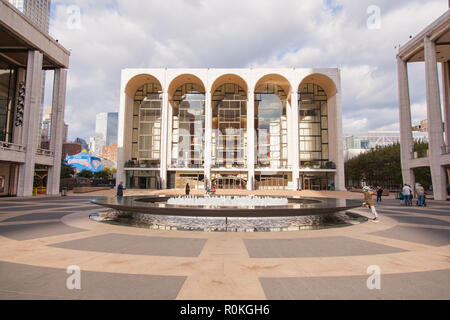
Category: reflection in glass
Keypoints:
(7, 88)
(313, 126)
(271, 126)
(188, 126)
(146, 136)
(229, 127)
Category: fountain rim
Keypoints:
(318, 206)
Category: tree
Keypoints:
(86, 174)
(105, 174)
(66, 171)
(382, 166)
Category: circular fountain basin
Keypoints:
(296, 206)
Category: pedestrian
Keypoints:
(420, 191)
(120, 189)
(407, 193)
(188, 189)
(368, 201)
(379, 194)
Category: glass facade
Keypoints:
(146, 141)
(313, 126)
(229, 127)
(188, 126)
(271, 126)
(7, 101)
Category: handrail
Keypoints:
(11, 146)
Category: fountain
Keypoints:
(229, 213)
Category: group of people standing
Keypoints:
(408, 195)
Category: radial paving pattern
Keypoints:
(41, 238)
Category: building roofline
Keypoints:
(17, 24)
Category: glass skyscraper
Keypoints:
(105, 131)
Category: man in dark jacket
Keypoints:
(379, 194)
(120, 189)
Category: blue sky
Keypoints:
(117, 34)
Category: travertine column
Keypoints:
(435, 129)
(446, 99)
(57, 128)
(164, 139)
(340, 173)
(294, 138)
(33, 94)
(251, 133)
(208, 137)
(406, 138)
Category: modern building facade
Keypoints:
(25, 51)
(231, 129)
(431, 46)
(38, 11)
(355, 144)
(106, 127)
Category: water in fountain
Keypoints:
(228, 201)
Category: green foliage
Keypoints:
(382, 166)
(66, 171)
(86, 174)
(105, 174)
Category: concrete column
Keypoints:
(251, 135)
(340, 173)
(446, 99)
(208, 137)
(33, 94)
(435, 129)
(406, 138)
(294, 138)
(164, 139)
(57, 128)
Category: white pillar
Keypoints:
(340, 167)
(164, 139)
(294, 138)
(33, 94)
(435, 128)
(251, 133)
(57, 128)
(406, 138)
(208, 136)
(446, 99)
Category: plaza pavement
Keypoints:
(40, 238)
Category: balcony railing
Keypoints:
(322, 165)
(44, 152)
(137, 165)
(421, 154)
(11, 146)
(446, 150)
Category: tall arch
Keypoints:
(272, 93)
(187, 125)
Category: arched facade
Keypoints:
(232, 128)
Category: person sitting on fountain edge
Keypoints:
(188, 189)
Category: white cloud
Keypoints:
(118, 34)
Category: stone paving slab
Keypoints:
(429, 285)
(415, 210)
(33, 208)
(420, 220)
(139, 245)
(31, 231)
(427, 236)
(33, 283)
(315, 247)
(37, 216)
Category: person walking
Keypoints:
(379, 194)
(120, 189)
(407, 193)
(188, 189)
(420, 191)
(368, 201)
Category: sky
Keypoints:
(106, 36)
